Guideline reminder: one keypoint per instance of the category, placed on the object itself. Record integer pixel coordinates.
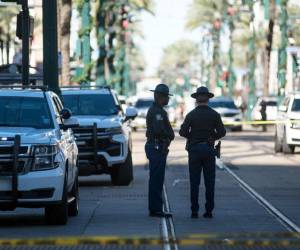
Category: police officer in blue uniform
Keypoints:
(159, 136)
(202, 127)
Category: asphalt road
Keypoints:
(122, 211)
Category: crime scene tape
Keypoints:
(234, 240)
(292, 122)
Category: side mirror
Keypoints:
(72, 122)
(65, 113)
(130, 113)
(282, 108)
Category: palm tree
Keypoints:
(7, 30)
(209, 13)
(65, 12)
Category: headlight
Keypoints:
(295, 124)
(114, 131)
(44, 157)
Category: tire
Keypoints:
(237, 129)
(122, 174)
(58, 214)
(286, 148)
(278, 144)
(73, 207)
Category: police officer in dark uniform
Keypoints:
(159, 136)
(202, 127)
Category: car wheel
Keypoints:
(237, 129)
(122, 174)
(58, 214)
(286, 148)
(278, 144)
(73, 207)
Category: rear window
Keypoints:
(143, 103)
(91, 104)
(25, 112)
(296, 105)
(222, 104)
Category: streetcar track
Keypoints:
(167, 226)
(272, 210)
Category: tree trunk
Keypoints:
(268, 56)
(65, 34)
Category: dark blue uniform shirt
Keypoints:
(201, 124)
(158, 124)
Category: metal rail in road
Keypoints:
(167, 226)
(283, 219)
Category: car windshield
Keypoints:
(222, 104)
(91, 104)
(24, 112)
(143, 103)
(296, 105)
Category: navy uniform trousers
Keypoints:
(202, 158)
(157, 166)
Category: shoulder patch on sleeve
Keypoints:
(159, 117)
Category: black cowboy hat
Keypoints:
(202, 91)
(163, 89)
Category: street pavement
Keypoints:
(122, 211)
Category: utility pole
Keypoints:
(251, 61)
(50, 47)
(282, 60)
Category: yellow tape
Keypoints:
(246, 240)
(262, 122)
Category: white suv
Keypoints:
(38, 154)
(287, 135)
(104, 135)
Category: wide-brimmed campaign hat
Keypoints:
(202, 91)
(163, 89)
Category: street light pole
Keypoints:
(25, 42)
(50, 47)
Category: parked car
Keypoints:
(38, 154)
(271, 109)
(104, 135)
(287, 133)
(229, 112)
(142, 106)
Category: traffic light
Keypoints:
(19, 31)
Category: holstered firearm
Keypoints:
(162, 145)
(218, 150)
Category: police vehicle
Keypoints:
(104, 135)
(229, 112)
(287, 133)
(38, 153)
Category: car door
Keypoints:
(68, 142)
